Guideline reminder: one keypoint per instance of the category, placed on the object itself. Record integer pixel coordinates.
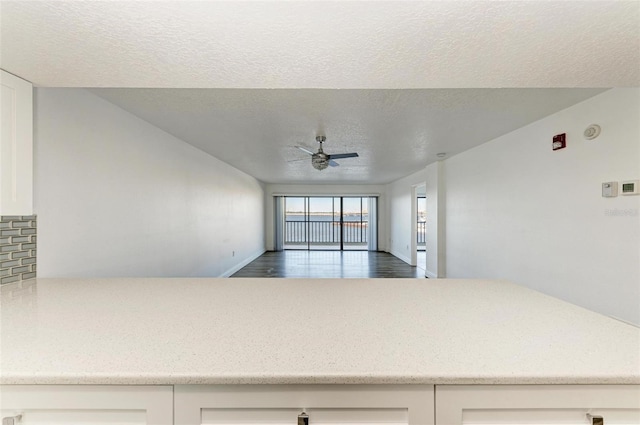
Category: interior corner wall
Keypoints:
(400, 215)
(519, 211)
(272, 190)
(116, 196)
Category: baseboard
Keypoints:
(243, 263)
(430, 275)
(401, 257)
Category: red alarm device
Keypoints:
(559, 141)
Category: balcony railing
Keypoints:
(325, 232)
(422, 232)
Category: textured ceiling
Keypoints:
(189, 54)
(396, 132)
(317, 44)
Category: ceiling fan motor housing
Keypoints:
(320, 161)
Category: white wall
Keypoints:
(116, 196)
(272, 190)
(436, 219)
(402, 216)
(517, 210)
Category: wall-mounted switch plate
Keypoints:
(610, 189)
(630, 187)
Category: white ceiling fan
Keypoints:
(321, 160)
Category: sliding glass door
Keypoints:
(355, 220)
(324, 223)
(327, 223)
(296, 233)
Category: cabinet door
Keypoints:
(16, 145)
(537, 404)
(325, 404)
(87, 404)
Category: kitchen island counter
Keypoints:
(291, 331)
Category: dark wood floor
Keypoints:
(325, 264)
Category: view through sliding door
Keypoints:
(421, 237)
(326, 222)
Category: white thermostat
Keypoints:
(630, 187)
(610, 189)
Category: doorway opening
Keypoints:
(421, 231)
(329, 223)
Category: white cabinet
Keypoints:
(87, 404)
(16, 145)
(325, 404)
(537, 404)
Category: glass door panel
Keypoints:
(323, 229)
(355, 219)
(295, 223)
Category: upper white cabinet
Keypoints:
(284, 404)
(537, 404)
(86, 405)
(16, 145)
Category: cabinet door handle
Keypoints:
(303, 419)
(11, 420)
(593, 419)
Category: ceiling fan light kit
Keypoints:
(319, 164)
(321, 160)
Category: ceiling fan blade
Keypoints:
(296, 160)
(332, 163)
(305, 150)
(343, 155)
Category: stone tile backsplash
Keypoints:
(17, 248)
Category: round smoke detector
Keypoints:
(592, 132)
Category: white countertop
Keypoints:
(272, 331)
